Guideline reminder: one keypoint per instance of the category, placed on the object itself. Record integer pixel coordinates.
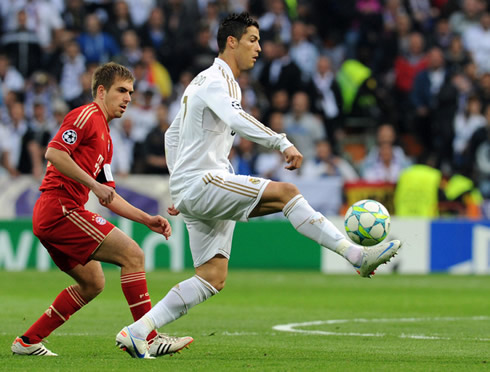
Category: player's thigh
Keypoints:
(119, 249)
(209, 238)
(224, 196)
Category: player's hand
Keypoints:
(173, 211)
(105, 193)
(293, 157)
(160, 225)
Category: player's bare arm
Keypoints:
(66, 165)
(293, 157)
(124, 209)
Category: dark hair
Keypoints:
(106, 74)
(234, 25)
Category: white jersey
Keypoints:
(201, 136)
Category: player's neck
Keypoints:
(104, 110)
(231, 62)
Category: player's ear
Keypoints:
(232, 41)
(101, 91)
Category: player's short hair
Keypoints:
(106, 74)
(234, 25)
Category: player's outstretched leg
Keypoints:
(135, 346)
(317, 227)
(19, 347)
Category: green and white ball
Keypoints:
(367, 222)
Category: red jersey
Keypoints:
(85, 136)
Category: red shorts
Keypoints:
(69, 232)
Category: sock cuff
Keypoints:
(76, 296)
(133, 277)
(207, 285)
(291, 204)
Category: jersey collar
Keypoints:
(225, 66)
(103, 116)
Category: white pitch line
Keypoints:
(293, 327)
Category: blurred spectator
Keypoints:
(140, 10)
(465, 124)
(442, 34)
(131, 51)
(477, 163)
(71, 69)
(43, 18)
(25, 153)
(431, 131)
(211, 19)
(302, 51)
(23, 47)
(85, 95)
(42, 126)
(406, 67)
(333, 48)
(120, 20)
(270, 163)
(386, 133)
(244, 157)
(153, 31)
(10, 79)
(5, 152)
(385, 168)
(302, 127)
(280, 72)
(40, 88)
(203, 53)
(329, 99)
(74, 16)
(96, 45)
(476, 40)
(422, 13)
(123, 145)
(456, 56)
(60, 109)
(326, 163)
(252, 94)
(467, 16)
(154, 152)
(274, 23)
(142, 113)
(483, 89)
(155, 74)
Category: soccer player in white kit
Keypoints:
(211, 198)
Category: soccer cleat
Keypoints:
(164, 344)
(19, 347)
(134, 346)
(376, 255)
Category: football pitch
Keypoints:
(270, 321)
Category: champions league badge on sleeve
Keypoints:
(69, 136)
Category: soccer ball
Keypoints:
(367, 222)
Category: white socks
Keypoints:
(317, 227)
(176, 303)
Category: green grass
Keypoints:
(420, 323)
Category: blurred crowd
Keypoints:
(364, 88)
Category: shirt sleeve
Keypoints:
(172, 142)
(68, 136)
(230, 111)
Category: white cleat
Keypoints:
(164, 344)
(134, 346)
(376, 255)
(19, 347)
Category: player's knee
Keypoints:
(134, 256)
(92, 288)
(288, 191)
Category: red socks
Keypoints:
(136, 291)
(67, 303)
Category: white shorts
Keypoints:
(211, 207)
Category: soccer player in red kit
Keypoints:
(79, 158)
